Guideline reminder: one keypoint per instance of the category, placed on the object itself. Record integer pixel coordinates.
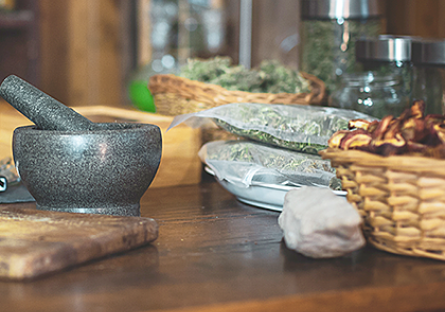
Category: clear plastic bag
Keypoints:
(296, 127)
(8, 170)
(250, 163)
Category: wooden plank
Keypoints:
(405, 299)
(184, 44)
(46, 241)
(128, 45)
(273, 22)
(81, 51)
(441, 20)
(144, 32)
(425, 18)
(399, 20)
(54, 48)
(9, 120)
(109, 76)
(416, 18)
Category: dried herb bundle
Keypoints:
(411, 133)
(270, 77)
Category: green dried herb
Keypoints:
(289, 163)
(304, 129)
(270, 77)
(265, 137)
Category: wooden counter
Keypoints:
(217, 254)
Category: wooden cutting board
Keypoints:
(34, 242)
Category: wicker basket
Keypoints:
(401, 198)
(175, 95)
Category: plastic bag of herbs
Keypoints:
(252, 163)
(296, 127)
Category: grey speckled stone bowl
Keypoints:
(101, 171)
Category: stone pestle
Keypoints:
(46, 112)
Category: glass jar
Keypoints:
(329, 29)
(428, 58)
(371, 93)
(385, 55)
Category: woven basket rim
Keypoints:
(170, 83)
(410, 163)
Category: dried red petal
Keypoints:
(359, 124)
(418, 109)
(414, 130)
(354, 139)
(411, 133)
(373, 126)
(392, 146)
(440, 132)
(336, 138)
(382, 127)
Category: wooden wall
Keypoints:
(424, 18)
(275, 31)
(81, 53)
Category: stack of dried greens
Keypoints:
(269, 77)
(295, 127)
(412, 133)
(251, 162)
(267, 156)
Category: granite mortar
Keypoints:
(91, 171)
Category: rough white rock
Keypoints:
(320, 224)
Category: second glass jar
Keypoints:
(371, 93)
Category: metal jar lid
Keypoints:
(428, 52)
(384, 48)
(336, 9)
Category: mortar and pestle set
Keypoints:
(71, 164)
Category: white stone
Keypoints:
(319, 224)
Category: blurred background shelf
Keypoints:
(83, 51)
(19, 41)
(16, 20)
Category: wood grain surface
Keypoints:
(34, 242)
(217, 254)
